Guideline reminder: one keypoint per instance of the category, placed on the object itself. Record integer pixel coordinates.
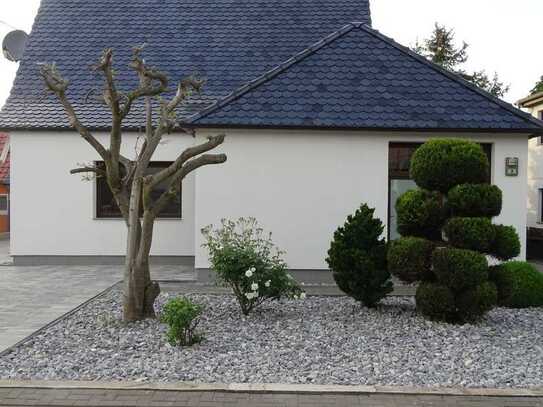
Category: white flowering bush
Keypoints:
(245, 259)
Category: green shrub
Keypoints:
(475, 200)
(182, 317)
(440, 164)
(435, 302)
(473, 303)
(410, 259)
(470, 233)
(357, 258)
(506, 245)
(245, 259)
(519, 284)
(459, 269)
(420, 213)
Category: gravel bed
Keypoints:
(322, 340)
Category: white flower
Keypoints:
(248, 273)
(302, 296)
(267, 283)
(254, 286)
(252, 269)
(249, 296)
(255, 294)
(289, 276)
(295, 296)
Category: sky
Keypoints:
(505, 36)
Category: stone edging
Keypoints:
(272, 388)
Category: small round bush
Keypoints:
(440, 164)
(182, 317)
(470, 233)
(357, 258)
(475, 200)
(410, 259)
(519, 284)
(459, 269)
(435, 302)
(506, 245)
(474, 303)
(420, 213)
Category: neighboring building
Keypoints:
(534, 105)
(4, 182)
(320, 115)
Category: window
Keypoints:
(106, 207)
(399, 160)
(4, 204)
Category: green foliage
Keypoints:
(357, 258)
(441, 49)
(506, 243)
(420, 213)
(182, 317)
(473, 303)
(519, 284)
(245, 259)
(435, 302)
(410, 259)
(441, 164)
(472, 200)
(538, 87)
(470, 233)
(459, 269)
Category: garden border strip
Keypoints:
(57, 320)
(272, 388)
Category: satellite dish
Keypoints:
(14, 44)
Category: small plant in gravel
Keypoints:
(182, 317)
(451, 210)
(245, 259)
(357, 258)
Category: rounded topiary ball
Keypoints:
(506, 243)
(440, 164)
(435, 302)
(475, 200)
(519, 284)
(470, 233)
(474, 303)
(420, 213)
(410, 259)
(459, 269)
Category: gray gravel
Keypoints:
(322, 340)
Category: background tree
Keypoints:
(441, 48)
(538, 87)
(128, 179)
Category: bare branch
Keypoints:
(58, 85)
(98, 171)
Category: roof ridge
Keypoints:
(451, 75)
(272, 73)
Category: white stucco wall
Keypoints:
(53, 212)
(535, 174)
(302, 185)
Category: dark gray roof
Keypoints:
(229, 42)
(358, 78)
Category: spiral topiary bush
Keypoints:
(469, 200)
(440, 164)
(420, 213)
(436, 302)
(459, 269)
(410, 259)
(470, 233)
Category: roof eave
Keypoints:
(532, 100)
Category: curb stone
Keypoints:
(272, 388)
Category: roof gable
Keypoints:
(228, 42)
(357, 78)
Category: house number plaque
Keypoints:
(511, 166)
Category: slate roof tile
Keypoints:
(358, 78)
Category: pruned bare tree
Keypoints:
(127, 178)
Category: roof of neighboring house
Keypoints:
(4, 158)
(532, 100)
(358, 78)
(229, 42)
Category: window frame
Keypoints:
(97, 196)
(539, 206)
(4, 212)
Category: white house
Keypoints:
(320, 115)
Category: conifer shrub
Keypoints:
(470, 200)
(519, 284)
(410, 259)
(470, 233)
(435, 301)
(420, 213)
(357, 258)
(506, 244)
(459, 269)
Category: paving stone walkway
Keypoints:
(158, 398)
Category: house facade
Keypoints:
(4, 183)
(320, 115)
